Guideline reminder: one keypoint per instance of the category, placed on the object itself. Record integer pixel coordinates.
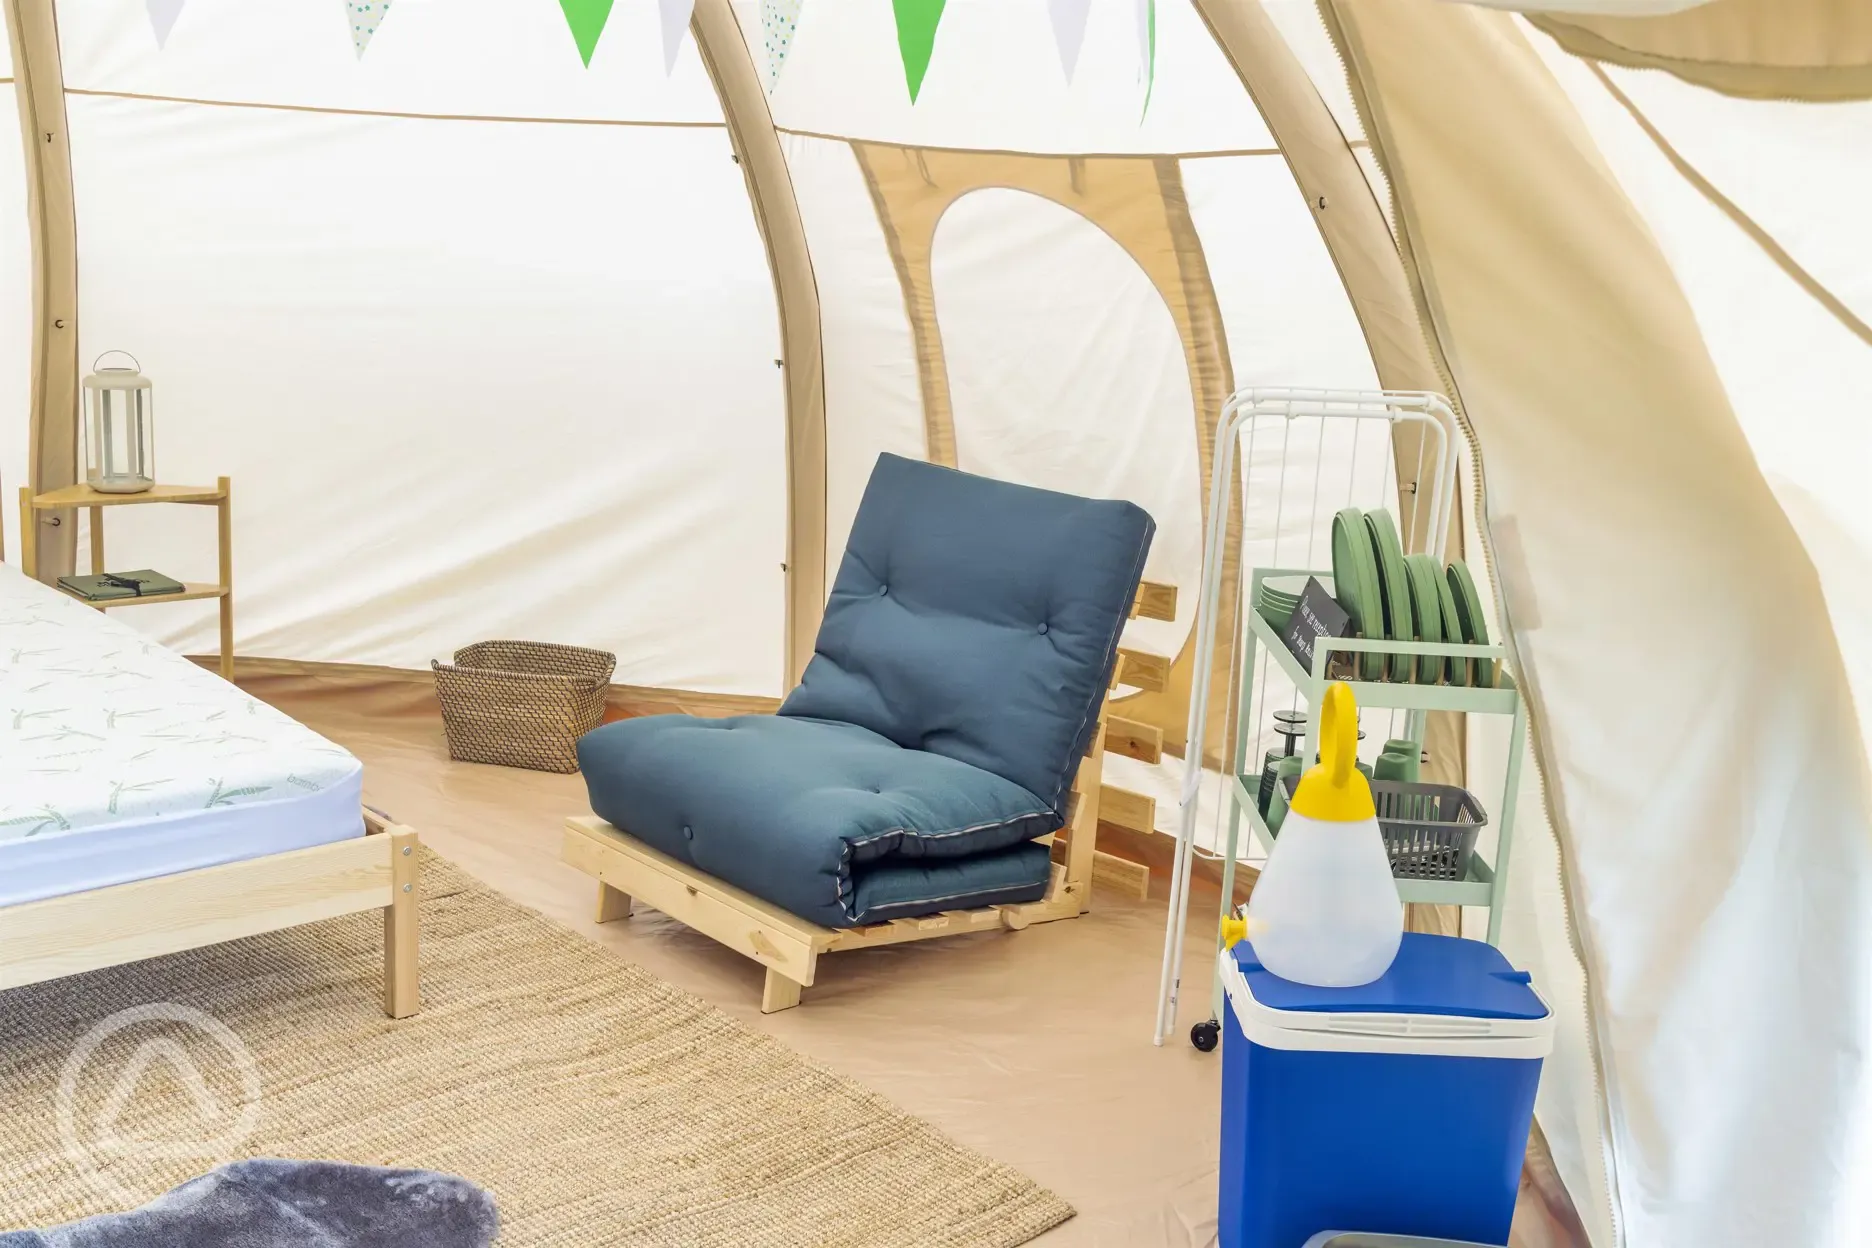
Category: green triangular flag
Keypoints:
(587, 19)
(916, 37)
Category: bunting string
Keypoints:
(917, 22)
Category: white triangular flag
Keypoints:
(162, 15)
(1147, 47)
(675, 25)
(1146, 19)
(779, 19)
(365, 17)
(1069, 27)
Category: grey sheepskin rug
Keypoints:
(291, 1204)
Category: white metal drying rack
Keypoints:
(1251, 410)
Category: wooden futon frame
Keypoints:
(789, 946)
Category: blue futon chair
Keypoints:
(957, 682)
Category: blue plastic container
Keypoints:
(1398, 1108)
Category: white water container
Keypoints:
(1325, 911)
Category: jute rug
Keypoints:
(598, 1104)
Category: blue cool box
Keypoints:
(1399, 1107)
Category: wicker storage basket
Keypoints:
(522, 703)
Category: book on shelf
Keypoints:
(112, 586)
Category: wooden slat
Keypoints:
(1127, 809)
(1143, 742)
(1130, 878)
(129, 922)
(751, 927)
(903, 931)
(1149, 672)
(1155, 601)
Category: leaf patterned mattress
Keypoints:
(120, 760)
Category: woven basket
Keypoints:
(522, 703)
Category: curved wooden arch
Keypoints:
(731, 68)
(52, 219)
(1138, 202)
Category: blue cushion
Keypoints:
(831, 821)
(900, 888)
(977, 620)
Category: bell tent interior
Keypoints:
(587, 323)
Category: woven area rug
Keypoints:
(598, 1104)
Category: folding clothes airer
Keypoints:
(1301, 450)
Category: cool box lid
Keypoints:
(1443, 996)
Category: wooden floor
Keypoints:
(1033, 1047)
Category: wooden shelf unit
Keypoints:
(220, 496)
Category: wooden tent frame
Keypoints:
(788, 946)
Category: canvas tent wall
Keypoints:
(493, 343)
(1619, 473)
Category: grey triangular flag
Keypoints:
(675, 25)
(162, 15)
(1069, 27)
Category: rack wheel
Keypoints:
(1206, 1035)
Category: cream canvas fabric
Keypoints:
(495, 344)
(1626, 478)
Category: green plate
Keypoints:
(1400, 620)
(1452, 629)
(1355, 583)
(1475, 624)
(1428, 607)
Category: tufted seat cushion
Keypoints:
(955, 685)
(830, 821)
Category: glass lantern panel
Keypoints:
(121, 452)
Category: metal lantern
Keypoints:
(120, 429)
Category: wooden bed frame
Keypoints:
(79, 932)
(789, 947)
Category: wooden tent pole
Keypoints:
(52, 218)
(770, 189)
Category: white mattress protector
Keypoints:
(120, 760)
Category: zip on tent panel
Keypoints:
(1305, 456)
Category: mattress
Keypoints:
(121, 761)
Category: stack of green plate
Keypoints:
(1279, 595)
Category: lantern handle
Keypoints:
(136, 365)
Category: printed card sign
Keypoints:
(1318, 615)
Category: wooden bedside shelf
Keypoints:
(220, 496)
(191, 592)
(85, 496)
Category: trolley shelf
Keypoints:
(1485, 884)
(1477, 890)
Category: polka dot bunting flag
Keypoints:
(365, 16)
(779, 19)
